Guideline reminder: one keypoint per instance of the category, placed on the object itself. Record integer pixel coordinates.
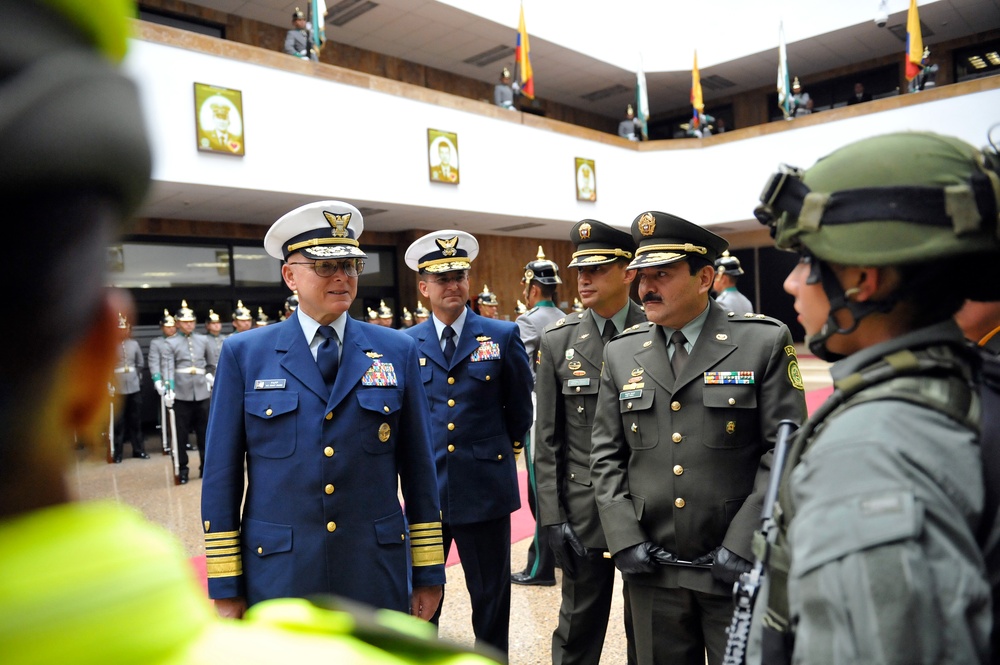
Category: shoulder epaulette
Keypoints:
(750, 316)
(563, 322)
(639, 327)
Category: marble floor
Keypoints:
(148, 485)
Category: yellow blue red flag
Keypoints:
(914, 42)
(522, 67)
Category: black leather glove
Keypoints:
(637, 559)
(566, 547)
(729, 566)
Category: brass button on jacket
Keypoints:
(676, 437)
(679, 502)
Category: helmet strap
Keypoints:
(839, 300)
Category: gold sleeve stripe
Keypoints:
(219, 551)
(222, 534)
(421, 533)
(427, 556)
(228, 542)
(426, 542)
(229, 566)
(418, 526)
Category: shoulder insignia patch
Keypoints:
(795, 375)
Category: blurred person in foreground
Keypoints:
(74, 576)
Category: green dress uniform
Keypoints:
(566, 384)
(684, 463)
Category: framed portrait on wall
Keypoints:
(442, 156)
(586, 179)
(218, 117)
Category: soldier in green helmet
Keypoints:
(881, 500)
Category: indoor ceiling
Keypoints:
(442, 36)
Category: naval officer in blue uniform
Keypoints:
(329, 416)
(478, 382)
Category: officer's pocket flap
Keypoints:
(844, 526)
(390, 530)
(579, 474)
(264, 538)
(586, 386)
(730, 396)
(270, 404)
(383, 400)
(629, 401)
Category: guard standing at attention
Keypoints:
(191, 366)
(727, 271)
(242, 318)
(566, 382)
(298, 40)
(213, 331)
(128, 372)
(330, 418)
(488, 304)
(687, 414)
(540, 280)
(886, 535)
(478, 385)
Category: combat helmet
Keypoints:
(908, 198)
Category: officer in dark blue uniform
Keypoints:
(478, 384)
(329, 417)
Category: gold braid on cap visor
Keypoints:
(617, 252)
(687, 248)
(322, 241)
(445, 265)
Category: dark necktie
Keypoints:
(328, 355)
(680, 353)
(609, 332)
(449, 342)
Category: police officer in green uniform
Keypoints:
(881, 502)
(541, 277)
(687, 412)
(77, 575)
(566, 382)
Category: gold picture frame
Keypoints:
(442, 156)
(585, 176)
(218, 119)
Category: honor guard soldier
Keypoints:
(242, 318)
(407, 320)
(420, 313)
(94, 581)
(540, 279)
(566, 383)
(330, 417)
(384, 315)
(213, 331)
(158, 350)
(488, 304)
(262, 318)
(291, 304)
(687, 412)
(475, 372)
(298, 40)
(727, 271)
(885, 537)
(128, 372)
(372, 317)
(191, 367)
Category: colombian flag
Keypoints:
(522, 68)
(914, 42)
(696, 99)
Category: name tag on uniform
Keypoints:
(380, 374)
(572, 383)
(269, 384)
(486, 351)
(742, 377)
(629, 394)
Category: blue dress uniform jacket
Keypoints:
(322, 512)
(480, 411)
